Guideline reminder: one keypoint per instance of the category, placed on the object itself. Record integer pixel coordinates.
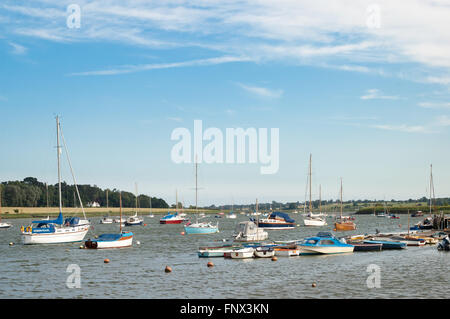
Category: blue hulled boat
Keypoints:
(324, 243)
(276, 220)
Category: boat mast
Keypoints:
(136, 190)
(341, 198)
(310, 196)
(431, 187)
(320, 199)
(58, 151)
(150, 199)
(0, 202)
(196, 186)
(120, 203)
(107, 202)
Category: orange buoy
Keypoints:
(168, 269)
(106, 261)
(210, 264)
(274, 258)
(182, 233)
(145, 224)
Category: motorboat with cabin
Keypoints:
(248, 231)
(324, 243)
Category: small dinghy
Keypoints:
(360, 246)
(242, 253)
(387, 244)
(105, 241)
(264, 252)
(287, 251)
(106, 220)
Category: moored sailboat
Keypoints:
(3, 225)
(58, 230)
(104, 241)
(341, 224)
(311, 219)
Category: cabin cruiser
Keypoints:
(324, 243)
(248, 231)
(276, 220)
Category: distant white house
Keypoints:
(93, 204)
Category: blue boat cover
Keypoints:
(282, 215)
(72, 221)
(58, 220)
(112, 237)
(169, 215)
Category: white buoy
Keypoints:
(138, 242)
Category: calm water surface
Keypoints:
(138, 272)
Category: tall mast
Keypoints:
(320, 198)
(120, 203)
(150, 199)
(0, 202)
(341, 197)
(196, 186)
(46, 187)
(431, 186)
(107, 202)
(58, 151)
(136, 190)
(310, 169)
(176, 200)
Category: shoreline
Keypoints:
(43, 212)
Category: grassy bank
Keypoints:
(403, 210)
(42, 212)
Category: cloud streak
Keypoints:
(261, 91)
(146, 67)
(374, 94)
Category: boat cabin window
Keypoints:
(311, 241)
(326, 242)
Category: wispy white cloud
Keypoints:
(376, 94)
(291, 31)
(262, 91)
(402, 128)
(146, 67)
(443, 120)
(18, 49)
(175, 119)
(434, 105)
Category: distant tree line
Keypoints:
(32, 193)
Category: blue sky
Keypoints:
(371, 104)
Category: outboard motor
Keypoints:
(445, 244)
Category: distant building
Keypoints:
(93, 204)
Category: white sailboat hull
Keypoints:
(314, 222)
(64, 235)
(115, 244)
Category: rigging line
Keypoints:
(71, 170)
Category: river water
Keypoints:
(138, 272)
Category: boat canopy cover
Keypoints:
(58, 220)
(170, 215)
(72, 221)
(113, 237)
(282, 215)
(324, 234)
